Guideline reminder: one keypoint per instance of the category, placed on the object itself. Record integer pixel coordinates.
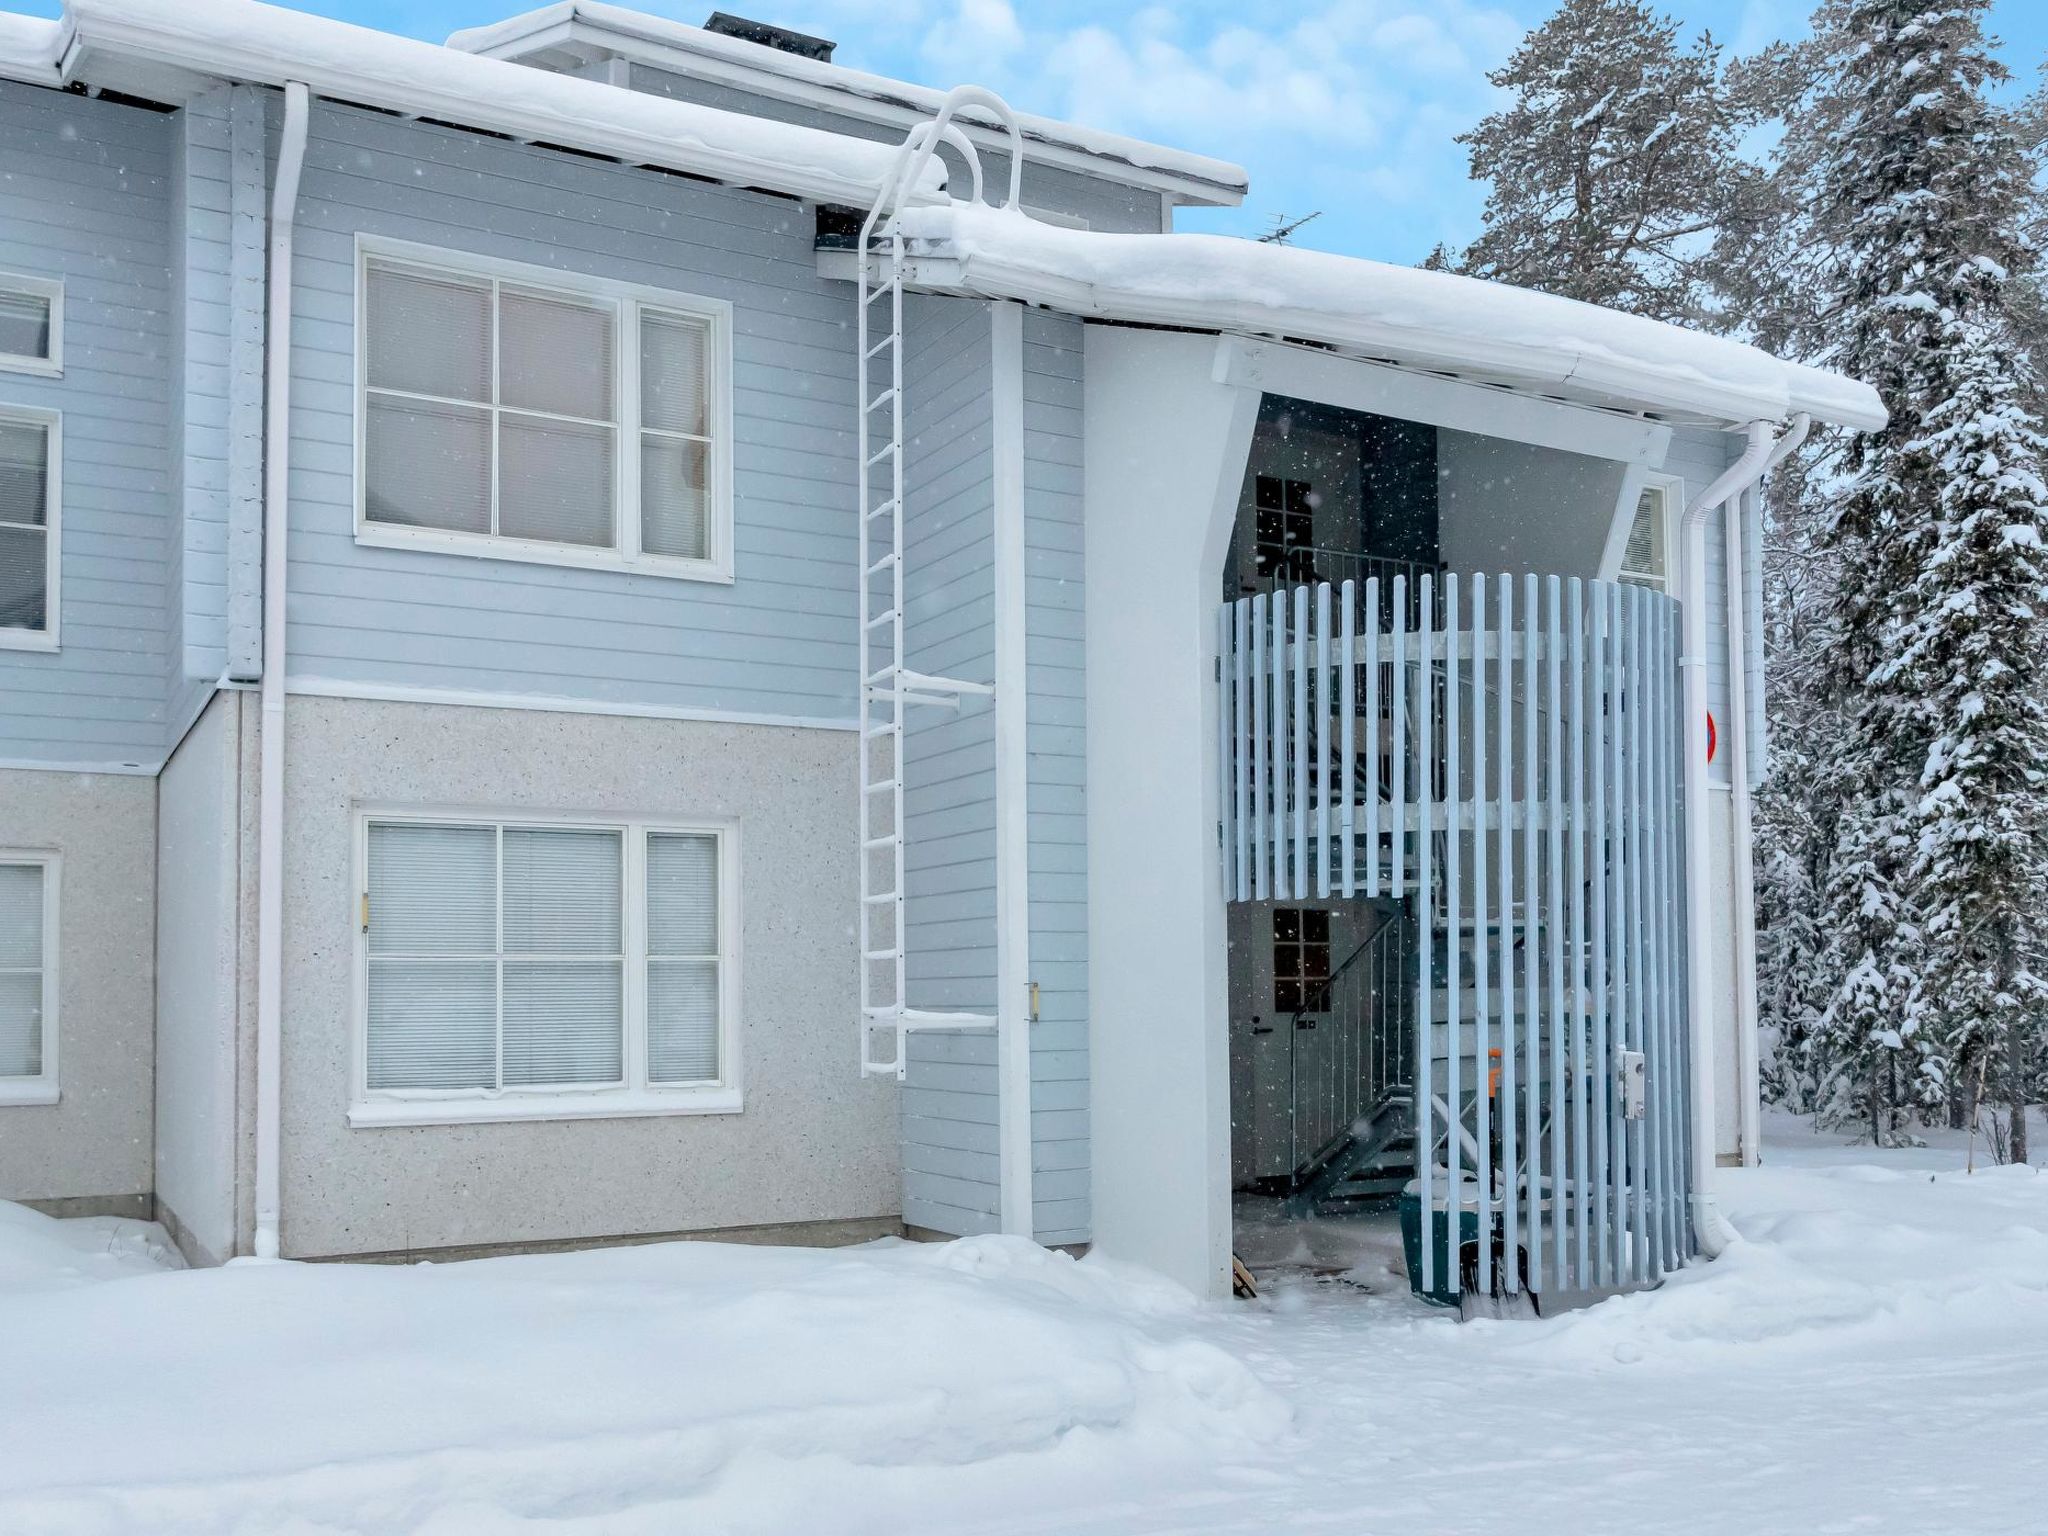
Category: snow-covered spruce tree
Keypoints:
(1973, 656)
(1613, 164)
(1903, 188)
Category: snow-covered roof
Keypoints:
(591, 26)
(1428, 320)
(244, 40)
(29, 47)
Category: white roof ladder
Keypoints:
(889, 688)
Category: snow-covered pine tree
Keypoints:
(1613, 164)
(1973, 657)
(1902, 189)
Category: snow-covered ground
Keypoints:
(1874, 1358)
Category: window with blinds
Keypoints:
(524, 416)
(523, 958)
(28, 529)
(31, 325)
(27, 988)
(1645, 559)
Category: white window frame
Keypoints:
(626, 300)
(42, 1089)
(636, 1097)
(1670, 493)
(49, 637)
(51, 289)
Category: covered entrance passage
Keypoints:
(1453, 857)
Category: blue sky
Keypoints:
(1344, 106)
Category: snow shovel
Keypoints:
(1499, 1302)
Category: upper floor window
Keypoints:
(537, 969)
(29, 460)
(513, 412)
(31, 324)
(28, 978)
(1646, 557)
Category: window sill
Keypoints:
(34, 367)
(28, 640)
(617, 1104)
(475, 547)
(27, 1090)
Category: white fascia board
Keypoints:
(1306, 373)
(1192, 179)
(243, 40)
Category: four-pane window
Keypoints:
(529, 417)
(519, 958)
(27, 981)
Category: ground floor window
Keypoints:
(28, 978)
(518, 968)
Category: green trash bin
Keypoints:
(1446, 1292)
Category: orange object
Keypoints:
(1493, 1072)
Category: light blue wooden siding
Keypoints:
(1104, 204)
(949, 1106)
(84, 197)
(779, 640)
(1699, 455)
(218, 231)
(1056, 712)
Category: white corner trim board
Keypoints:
(291, 157)
(268, 45)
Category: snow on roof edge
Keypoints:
(1163, 159)
(30, 47)
(1422, 319)
(247, 40)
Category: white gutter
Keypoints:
(1742, 865)
(1709, 1229)
(277, 384)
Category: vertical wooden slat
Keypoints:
(1347, 760)
(1655, 703)
(1397, 761)
(1242, 753)
(1372, 730)
(1425, 1103)
(1507, 1107)
(1226, 795)
(1455, 820)
(1482, 942)
(1671, 894)
(1598, 1078)
(1535, 922)
(1322, 738)
(1299, 742)
(1255, 666)
(1555, 927)
(1639, 1017)
(1582, 948)
(1281, 726)
(1617, 942)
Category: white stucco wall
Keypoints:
(1165, 456)
(815, 1142)
(198, 856)
(91, 1149)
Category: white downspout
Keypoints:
(1709, 1229)
(1742, 865)
(277, 387)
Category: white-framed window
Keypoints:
(1646, 558)
(514, 968)
(520, 413)
(31, 325)
(28, 977)
(31, 472)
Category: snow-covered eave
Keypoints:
(1186, 177)
(1403, 315)
(30, 47)
(263, 44)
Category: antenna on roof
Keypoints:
(1283, 227)
(800, 43)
